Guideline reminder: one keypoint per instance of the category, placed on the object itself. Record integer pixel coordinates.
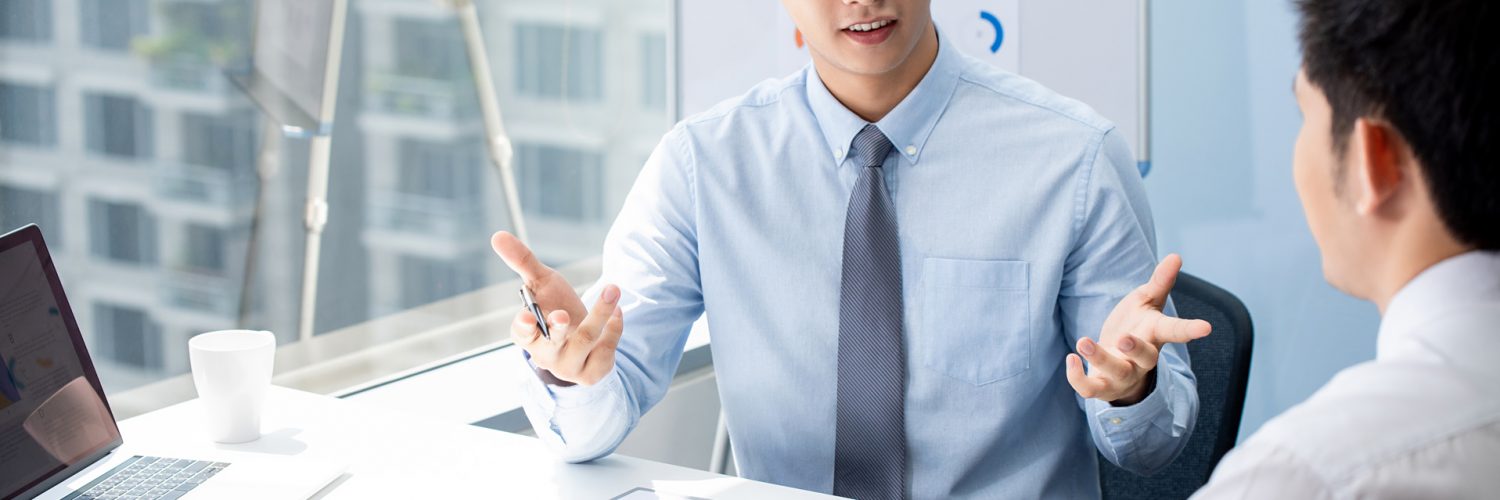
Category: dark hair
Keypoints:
(1430, 68)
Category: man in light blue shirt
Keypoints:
(1023, 228)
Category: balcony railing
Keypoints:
(205, 185)
(197, 292)
(189, 75)
(439, 99)
(424, 215)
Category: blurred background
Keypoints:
(122, 138)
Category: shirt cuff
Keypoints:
(553, 397)
(1122, 423)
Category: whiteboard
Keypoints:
(1090, 50)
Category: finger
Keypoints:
(1178, 330)
(1139, 352)
(581, 340)
(602, 357)
(518, 257)
(603, 310)
(1086, 386)
(1163, 279)
(1102, 362)
(558, 324)
(523, 331)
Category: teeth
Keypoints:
(869, 26)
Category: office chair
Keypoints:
(1221, 363)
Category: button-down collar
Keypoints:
(908, 125)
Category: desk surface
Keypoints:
(394, 453)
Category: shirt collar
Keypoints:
(1457, 282)
(908, 125)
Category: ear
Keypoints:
(1378, 167)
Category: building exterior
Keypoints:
(122, 139)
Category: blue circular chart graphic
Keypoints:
(999, 30)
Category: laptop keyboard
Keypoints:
(149, 478)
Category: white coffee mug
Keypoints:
(232, 371)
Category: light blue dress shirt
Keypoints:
(1023, 222)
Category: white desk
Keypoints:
(396, 454)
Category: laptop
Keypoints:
(58, 436)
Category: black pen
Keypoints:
(530, 303)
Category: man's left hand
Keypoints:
(1124, 358)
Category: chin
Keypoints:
(864, 64)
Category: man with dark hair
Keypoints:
(1396, 165)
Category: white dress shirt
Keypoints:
(1420, 421)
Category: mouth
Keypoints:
(871, 32)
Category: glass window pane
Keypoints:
(152, 159)
(20, 206)
(559, 61)
(112, 24)
(203, 249)
(127, 336)
(26, 20)
(225, 142)
(28, 115)
(119, 126)
(430, 49)
(122, 232)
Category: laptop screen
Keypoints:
(53, 415)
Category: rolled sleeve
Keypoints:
(579, 422)
(1146, 436)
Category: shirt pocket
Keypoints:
(976, 317)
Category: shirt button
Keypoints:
(911, 151)
(838, 152)
(1116, 421)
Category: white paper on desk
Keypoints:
(72, 423)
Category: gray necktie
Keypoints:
(869, 459)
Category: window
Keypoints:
(127, 336)
(122, 232)
(28, 115)
(425, 280)
(149, 159)
(226, 142)
(118, 126)
(440, 170)
(430, 49)
(22, 206)
(26, 20)
(556, 61)
(112, 24)
(572, 180)
(654, 76)
(203, 249)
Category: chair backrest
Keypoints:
(1221, 363)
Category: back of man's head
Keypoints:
(1430, 68)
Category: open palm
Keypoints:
(1131, 340)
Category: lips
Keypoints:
(870, 32)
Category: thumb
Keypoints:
(517, 256)
(1162, 281)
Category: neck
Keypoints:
(1413, 248)
(872, 96)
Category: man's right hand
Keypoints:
(581, 354)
